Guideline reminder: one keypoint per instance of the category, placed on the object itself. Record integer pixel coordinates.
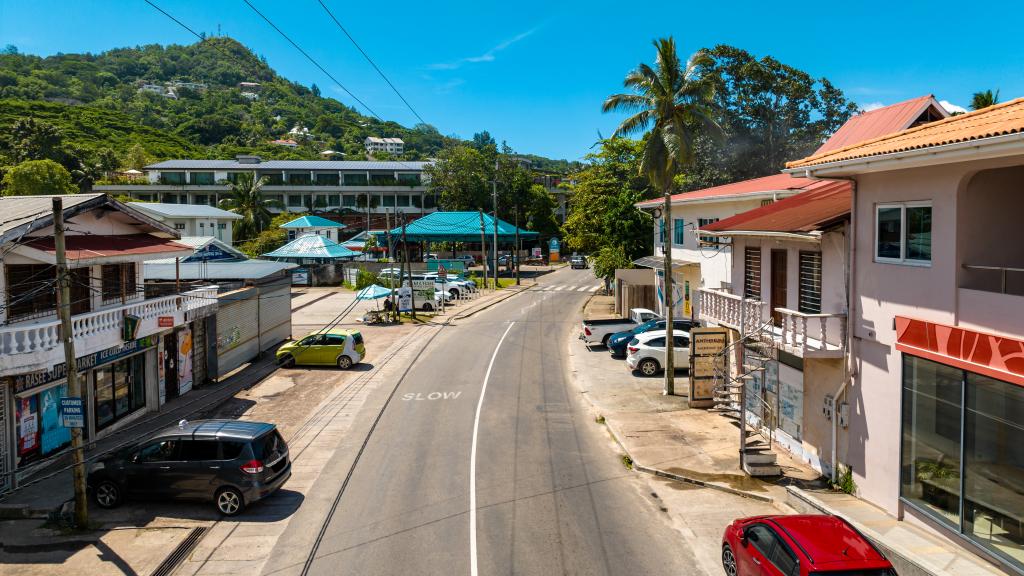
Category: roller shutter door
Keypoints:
(237, 326)
(275, 315)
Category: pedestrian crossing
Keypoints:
(568, 287)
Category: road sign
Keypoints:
(706, 362)
(72, 414)
(442, 272)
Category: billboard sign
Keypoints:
(706, 362)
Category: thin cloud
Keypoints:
(488, 56)
(871, 106)
(952, 108)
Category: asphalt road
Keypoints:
(547, 491)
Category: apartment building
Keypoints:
(389, 145)
(133, 352)
(936, 394)
(354, 191)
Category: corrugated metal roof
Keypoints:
(186, 164)
(16, 211)
(86, 247)
(184, 210)
(773, 183)
(998, 120)
(312, 246)
(312, 222)
(244, 270)
(198, 243)
(880, 122)
(821, 203)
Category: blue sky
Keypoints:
(535, 73)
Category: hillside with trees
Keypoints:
(99, 112)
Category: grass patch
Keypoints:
(627, 461)
(421, 317)
(844, 483)
(599, 419)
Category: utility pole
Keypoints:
(74, 387)
(670, 364)
(494, 187)
(408, 265)
(515, 258)
(483, 246)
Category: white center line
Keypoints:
(472, 458)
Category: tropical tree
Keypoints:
(984, 99)
(247, 200)
(674, 101)
(34, 177)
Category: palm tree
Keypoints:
(984, 99)
(675, 102)
(247, 200)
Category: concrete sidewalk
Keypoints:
(663, 436)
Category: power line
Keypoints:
(312, 60)
(179, 22)
(372, 63)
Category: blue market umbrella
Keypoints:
(373, 292)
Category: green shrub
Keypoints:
(364, 278)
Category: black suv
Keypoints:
(230, 462)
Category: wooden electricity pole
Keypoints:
(66, 334)
(483, 246)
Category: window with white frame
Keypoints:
(903, 233)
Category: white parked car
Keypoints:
(646, 352)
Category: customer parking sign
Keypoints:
(72, 414)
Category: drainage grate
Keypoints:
(181, 552)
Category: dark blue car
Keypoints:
(617, 342)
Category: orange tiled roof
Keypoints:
(772, 183)
(998, 120)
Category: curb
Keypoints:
(685, 479)
(807, 503)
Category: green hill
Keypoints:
(99, 101)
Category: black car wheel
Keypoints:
(344, 362)
(428, 307)
(229, 501)
(107, 494)
(728, 561)
(649, 367)
(288, 361)
(604, 341)
(454, 293)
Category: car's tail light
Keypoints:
(587, 330)
(633, 349)
(252, 467)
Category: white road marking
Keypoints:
(559, 287)
(595, 288)
(472, 458)
(582, 289)
(432, 395)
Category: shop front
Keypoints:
(962, 449)
(116, 385)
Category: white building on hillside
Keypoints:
(192, 219)
(389, 145)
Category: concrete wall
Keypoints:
(822, 376)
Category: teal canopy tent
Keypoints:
(458, 227)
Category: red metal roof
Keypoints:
(773, 183)
(87, 247)
(869, 125)
(822, 202)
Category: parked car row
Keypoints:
(640, 339)
(446, 290)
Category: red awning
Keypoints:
(823, 202)
(999, 357)
(88, 247)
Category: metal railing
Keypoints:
(1004, 272)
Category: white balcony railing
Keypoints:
(817, 335)
(811, 334)
(29, 345)
(726, 309)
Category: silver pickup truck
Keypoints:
(598, 331)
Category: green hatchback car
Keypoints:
(334, 347)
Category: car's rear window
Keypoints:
(357, 337)
(231, 450)
(268, 446)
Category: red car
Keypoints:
(798, 546)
